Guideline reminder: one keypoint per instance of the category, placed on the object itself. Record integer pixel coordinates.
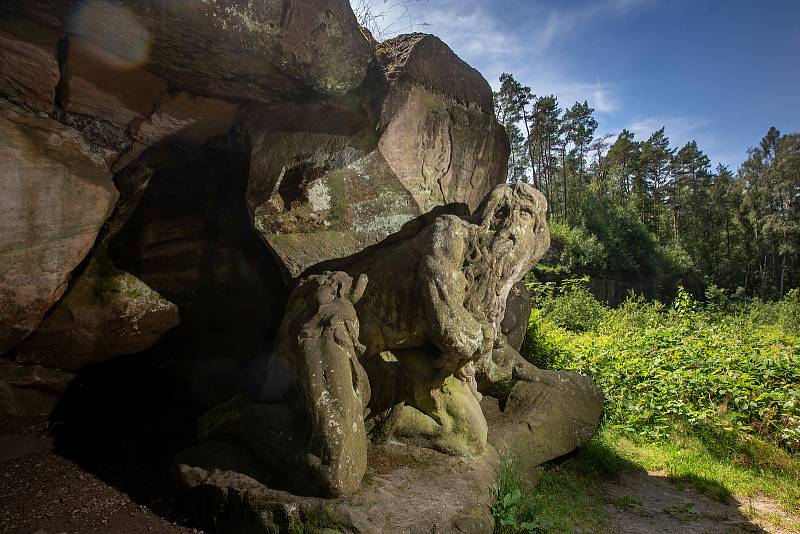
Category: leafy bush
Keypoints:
(515, 508)
(575, 308)
(783, 314)
(676, 267)
(684, 364)
(629, 246)
(575, 250)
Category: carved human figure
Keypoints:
(436, 301)
(308, 422)
(424, 325)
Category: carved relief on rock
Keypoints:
(395, 343)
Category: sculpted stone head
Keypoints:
(513, 218)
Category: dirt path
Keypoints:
(644, 503)
(43, 493)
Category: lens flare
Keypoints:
(113, 33)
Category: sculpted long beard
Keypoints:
(490, 274)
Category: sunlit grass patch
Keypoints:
(561, 496)
(719, 470)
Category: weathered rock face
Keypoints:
(28, 393)
(410, 489)
(325, 183)
(327, 126)
(29, 68)
(517, 314)
(273, 50)
(106, 312)
(167, 165)
(439, 134)
(57, 192)
(100, 69)
(410, 320)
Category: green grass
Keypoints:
(707, 393)
(718, 468)
(567, 495)
(558, 496)
(686, 364)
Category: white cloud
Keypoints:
(680, 130)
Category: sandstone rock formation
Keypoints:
(410, 324)
(322, 115)
(171, 169)
(46, 231)
(326, 182)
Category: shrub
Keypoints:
(576, 250)
(659, 366)
(575, 309)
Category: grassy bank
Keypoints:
(705, 393)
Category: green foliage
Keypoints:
(688, 363)
(783, 314)
(652, 210)
(566, 496)
(629, 246)
(575, 308)
(575, 249)
(514, 507)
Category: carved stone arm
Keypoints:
(452, 328)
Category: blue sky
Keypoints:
(720, 72)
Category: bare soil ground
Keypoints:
(649, 502)
(44, 493)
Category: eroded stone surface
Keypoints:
(418, 312)
(57, 192)
(28, 62)
(326, 182)
(28, 393)
(407, 490)
(97, 86)
(186, 118)
(265, 51)
(107, 312)
(549, 415)
(517, 315)
(319, 443)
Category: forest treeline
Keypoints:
(645, 210)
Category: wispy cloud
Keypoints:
(478, 32)
(680, 130)
(538, 41)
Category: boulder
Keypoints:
(225, 488)
(267, 51)
(548, 416)
(28, 393)
(29, 69)
(439, 133)
(105, 313)
(186, 118)
(99, 86)
(407, 489)
(326, 182)
(518, 312)
(57, 192)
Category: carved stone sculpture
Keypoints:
(315, 438)
(394, 344)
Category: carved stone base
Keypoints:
(407, 489)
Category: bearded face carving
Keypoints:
(511, 236)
